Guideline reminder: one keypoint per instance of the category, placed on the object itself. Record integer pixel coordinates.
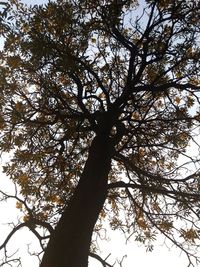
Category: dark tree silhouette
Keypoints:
(99, 103)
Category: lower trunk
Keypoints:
(70, 243)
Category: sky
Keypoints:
(136, 255)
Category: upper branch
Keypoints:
(152, 189)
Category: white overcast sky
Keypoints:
(136, 256)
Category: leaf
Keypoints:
(190, 101)
(26, 218)
(166, 225)
(189, 234)
(142, 223)
(19, 205)
(177, 100)
(141, 152)
(93, 40)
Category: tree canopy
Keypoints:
(123, 74)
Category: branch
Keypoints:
(163, 87)
(95, 75)
(102, 261)
(11, 234)
(152, 189)
(30, 225)
(132, 167)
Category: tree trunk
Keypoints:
(70, 243)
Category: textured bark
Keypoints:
(70, 243)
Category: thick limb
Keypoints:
(70, 243)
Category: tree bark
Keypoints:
(70, 242)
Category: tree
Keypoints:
(99, 103)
